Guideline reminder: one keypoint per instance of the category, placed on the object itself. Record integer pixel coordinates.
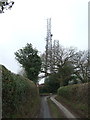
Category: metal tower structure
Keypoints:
(56, 52)
(48, 65)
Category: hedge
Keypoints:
(20, 97)
(77, 92)
(77, 96)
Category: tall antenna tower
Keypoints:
(48, 66)
(56, 52)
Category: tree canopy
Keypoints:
(29, 59)
(52, 83)
(4, 5)
(68, 63)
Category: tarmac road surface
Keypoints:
(44, 112)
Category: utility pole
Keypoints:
(48, 64)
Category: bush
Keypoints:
(52, 83)
(77, 97)
(20, 98)
(77, 92)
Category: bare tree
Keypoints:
(5, 5)
(68, 59)
(81, 65)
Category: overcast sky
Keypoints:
(26, 23)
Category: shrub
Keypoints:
(77, 92)
(20, 98)
(77, 96)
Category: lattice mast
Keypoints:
(48, 66)
(56, 52)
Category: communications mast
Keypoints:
(48, 58)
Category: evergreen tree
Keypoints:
(30, 61)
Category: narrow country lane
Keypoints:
(44, 112)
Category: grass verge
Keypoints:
(55, 111)
(78, 108)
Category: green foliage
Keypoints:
(29, 59)
(52, 83)
(61, 78)
(67, 62)
(74, 92)
(55, 111)
(20, 98)
(77, 92)
(67, 92)
(77, 96)
(1, 3)
(65, 73)
(43, 89)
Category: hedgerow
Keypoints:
(77, 96)
(20, 98)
